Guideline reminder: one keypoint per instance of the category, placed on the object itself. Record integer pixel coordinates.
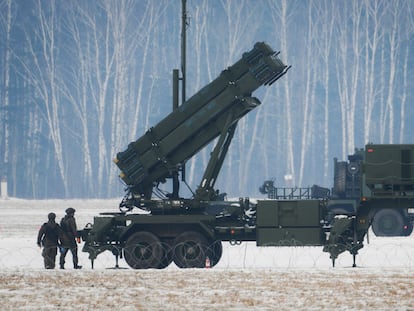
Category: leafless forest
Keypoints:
(81, 79)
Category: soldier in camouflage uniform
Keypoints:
(49, 236)
(70, 235)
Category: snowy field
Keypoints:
(247, 277)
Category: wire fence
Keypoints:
(20, 221)
(395, 253)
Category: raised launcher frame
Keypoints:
(212, 112)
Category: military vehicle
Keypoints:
(155, 227)
(379, 178)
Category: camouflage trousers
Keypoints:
(49, 256)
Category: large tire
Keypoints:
(215, 250)
(190, 250)
(143, 250)
(339, 187)
(388, 222)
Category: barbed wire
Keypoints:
(245, 256)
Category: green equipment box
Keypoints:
(292, 222)
(389, 165)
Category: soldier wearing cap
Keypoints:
(49, 237)
(70, 235)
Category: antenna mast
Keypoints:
(183, 48)
(176, 95)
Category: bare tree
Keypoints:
(42, 73)
(373, 34)
(404, 95)
(282, 14)
(117, 13)
(6, 23)
(78, 95)
(95, 78)
(348, 70)
(400, 26)
(145, 31)
(91, 34)
(393, 44)
(325, 17)
(309, 93)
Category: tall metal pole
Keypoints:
(176, 78)
(183, 48)
(183, 64)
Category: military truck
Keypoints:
(378, 178)
(155, 227)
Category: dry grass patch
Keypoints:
(207, 289)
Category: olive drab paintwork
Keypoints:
(389, 169)
(190, 231)
(211, 111)
(377, 185)
(293, 222)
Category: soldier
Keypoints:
(49, 237)
(70, 235)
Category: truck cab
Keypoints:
(380, 178)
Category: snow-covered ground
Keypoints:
(247, 277)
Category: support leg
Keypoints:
(355, 242)
(116, 261)
(116, 252)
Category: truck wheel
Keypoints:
(190, 250)
(339, 187)
(215, 250)
(388, 222)
(143, 250)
